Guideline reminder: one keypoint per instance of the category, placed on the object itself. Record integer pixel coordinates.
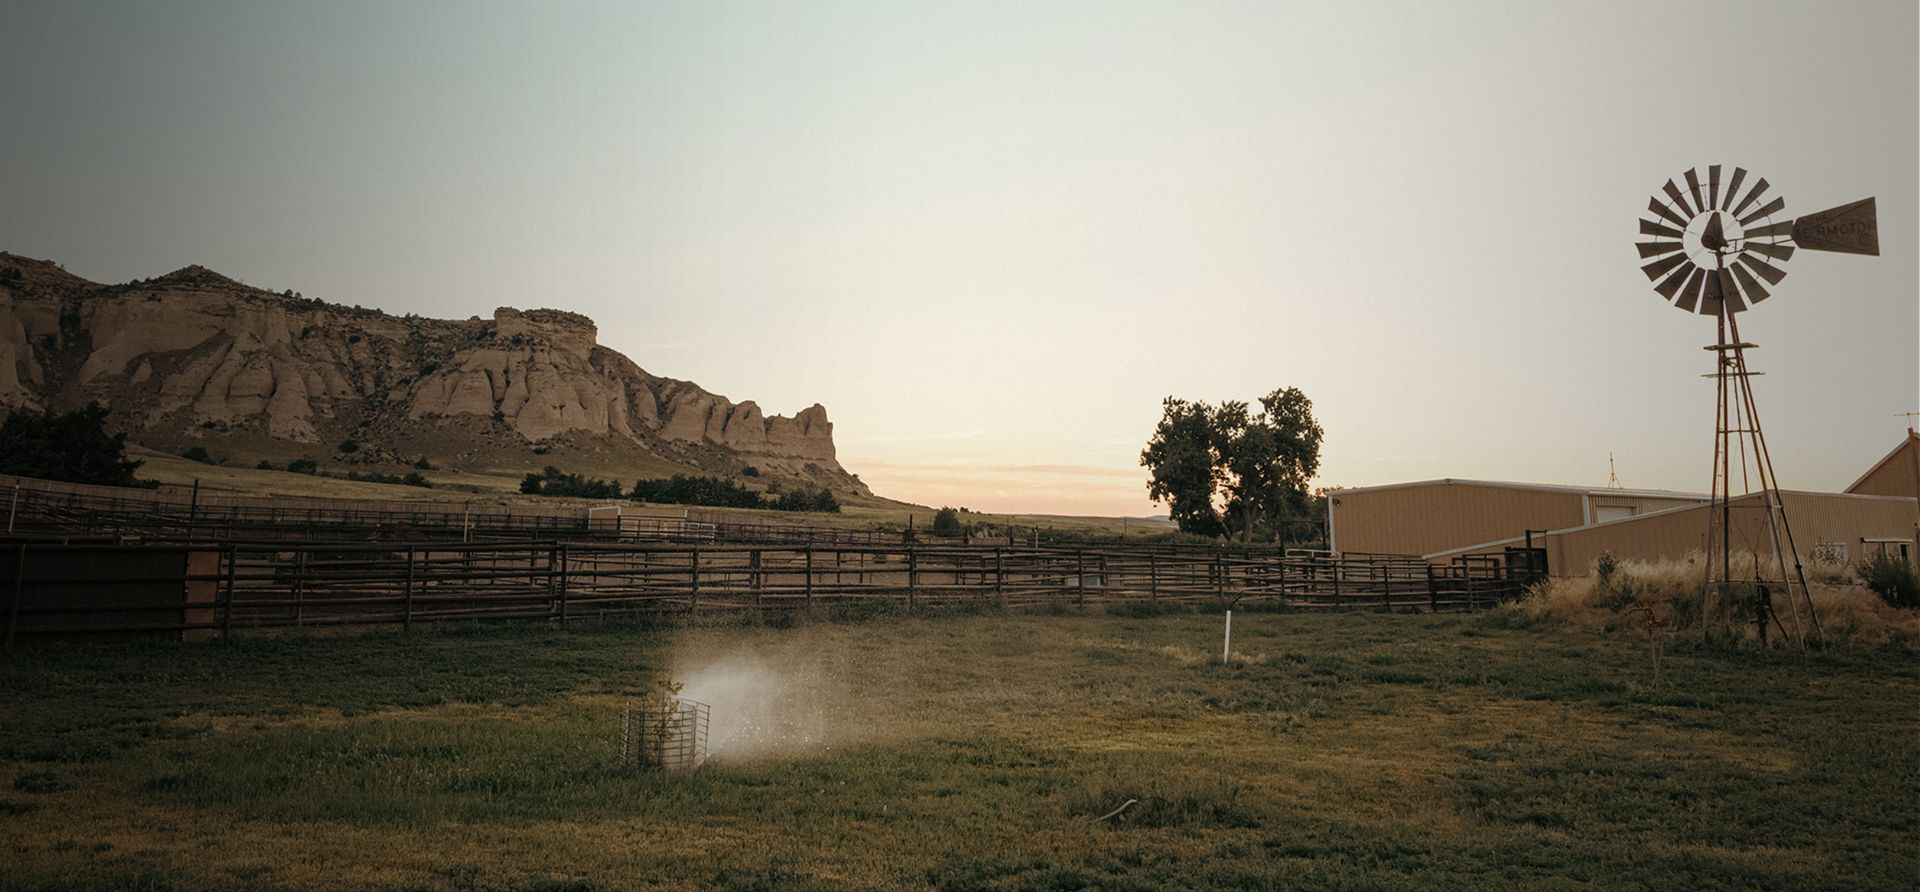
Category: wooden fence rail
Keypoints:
(274, 585)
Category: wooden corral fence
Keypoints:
(45, 508)
(278, 584)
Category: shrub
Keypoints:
(70, 446)
(423, 464)
(303, 466)
(413, 478)
(349, 445)
(199, 454)
(681, 489)
(264, 465)
(1892, 579)
(554, 482)
(749, 471)
(946, 522)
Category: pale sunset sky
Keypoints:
(991, 237)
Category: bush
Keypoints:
(554, 482)
(423, 464)
(199, 454)
(264, 465)
(413, 478)
(303, 466)
(681, 489)
(349, 446)
(946, 522)
(1892, 579)
(69, 446)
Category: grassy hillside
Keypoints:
(504, 487)
(963, 752)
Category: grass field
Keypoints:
(965, 752)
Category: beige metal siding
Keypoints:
(1897, 475)
(1423, 519)
(1676, 535)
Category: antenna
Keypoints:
(1909, 416)
(1613, 477)
(1708, 252)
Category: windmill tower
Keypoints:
(1715, 253)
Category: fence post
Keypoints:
(226, 615)
(1080, 578)
(1220, 575)
(1336, 581)
(19, 582)
(1153, 576)
(406, 619)
(564, 579)
(913, 566)
(1386, 588)
(753, 575)
(299, 584)
(809, 577)
(1000, 575)
(693, 592)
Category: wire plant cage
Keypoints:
(668, 736)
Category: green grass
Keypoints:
(964, 751)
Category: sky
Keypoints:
(991, 237)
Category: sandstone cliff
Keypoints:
(194, 355)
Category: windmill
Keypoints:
(1716, 253)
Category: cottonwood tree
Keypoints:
(70, 446)
(1233, 468)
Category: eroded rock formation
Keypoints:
(194, 354)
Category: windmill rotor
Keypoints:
(1711, 251)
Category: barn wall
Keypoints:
(1897, 475)
(1425, 518)
(1816, 519)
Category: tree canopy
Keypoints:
(70, 446)
(1234, 468)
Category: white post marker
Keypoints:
(1226, 646)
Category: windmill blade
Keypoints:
(1659, 268)
(1759, 187)
(1666, 213)
(1671, 286)
(1690, 292)
(1693, 187)
(1777, 252)
(1852, 228)
(1712, 291)
(1766, 210)
(1755, 291)
(1729, 291)
(1768, 271)
(1649, 227)
(1771, 230)
(1713, 187)
(1679, 200)
(1655, 249)
(1733, 185)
